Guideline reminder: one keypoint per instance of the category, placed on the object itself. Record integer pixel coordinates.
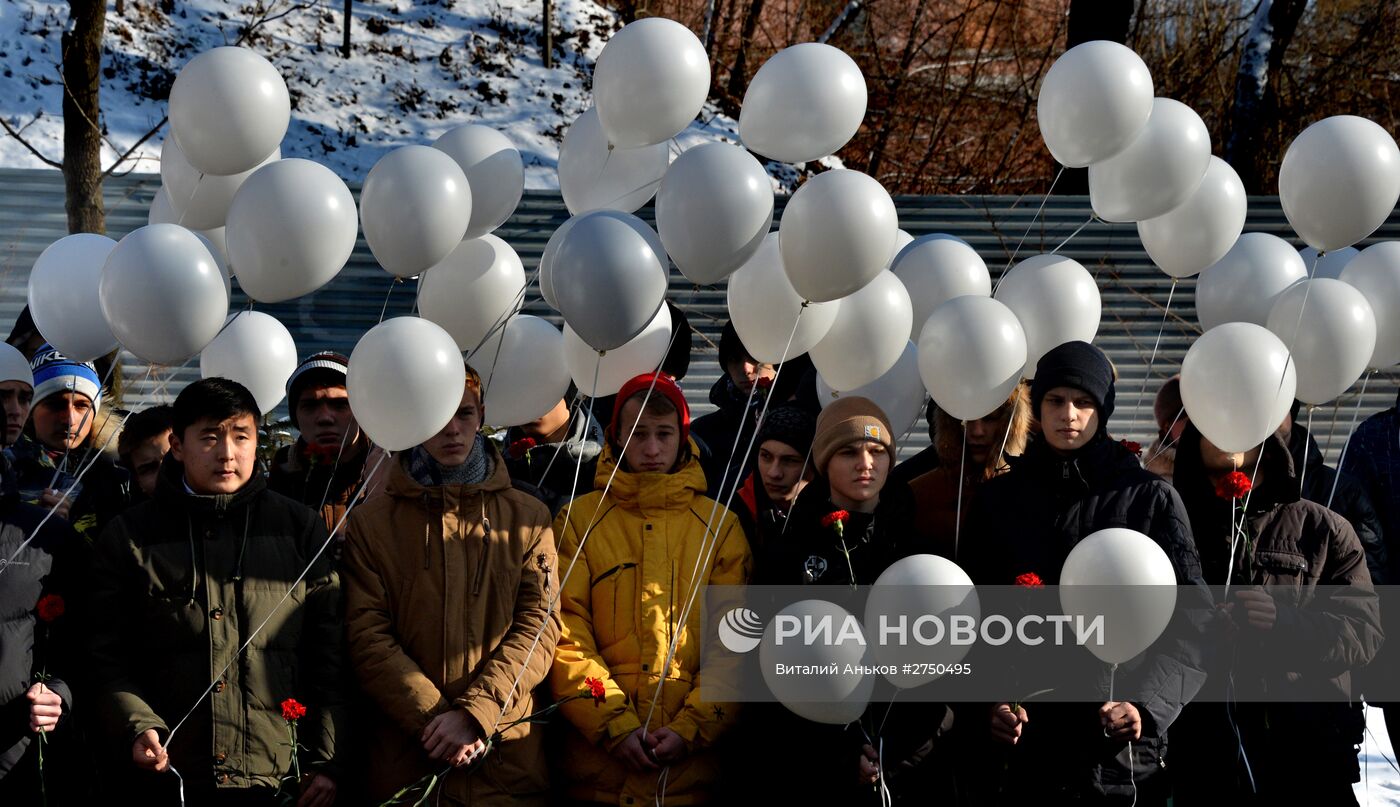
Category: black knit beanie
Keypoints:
(1079, 365)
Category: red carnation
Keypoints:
(596, 690)
(1233, 486)
(520, 448)
(50, 607)
(1029, 580)
(292, 710)
(1132, 446)
(837, 521)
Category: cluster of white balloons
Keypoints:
(1117, 575)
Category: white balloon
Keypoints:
(414, 209)
(1199, 232)
(229, 108)
(837, 233)
(1241, 286)
(935, 269)
(545, 275)
(823, 698)
(1331, 331)
(290, 230)
(64, 298)
(971, 355)
(650, 82)
(1330, 265)
(523, 370)
(200, 200)
(869, 334)
(1124, 577)
(495, 173)
(595, 176)
(804, 103)
(899, 392)
(473, 291)
(1376, 274)
(218, 253)
(162, 294)
(405, 381)
(1237, 385)
(713, 211)
(1339, 181)
(913, 587)
(616, 367)
(608, 278)
(1056, 301)
(767, 312)
(1094, 101)
(257, 351)
(1158, 171)
(160, 211)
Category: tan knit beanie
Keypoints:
(847, 420)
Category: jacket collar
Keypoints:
(402, 484)
(171, 489)
(650, 493)
(1100, 460)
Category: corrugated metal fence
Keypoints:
(1134, 291)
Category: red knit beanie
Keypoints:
(665, 386)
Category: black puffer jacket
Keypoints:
(179, 584)
(1351, 501)
(31, 647)
(1297, 546)
(1028, 520)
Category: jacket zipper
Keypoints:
(485, 549)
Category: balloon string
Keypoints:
(1351, 429)
(962, 474)
(711, 537)
(1081, 227)
(1166, 443)
(1147, 376)
(1029, 227)
(1238, 530)
(300, 577)
(1303, 472)
(193, 192)
(583, 541)
(385, 309)
(82, 472)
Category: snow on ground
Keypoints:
(416, 70)
(1380, 778)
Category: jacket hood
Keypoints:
(652, 492)
(170, 489)
(402, 484)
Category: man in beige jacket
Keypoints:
(449, 573)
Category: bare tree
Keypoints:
(1256, 103)
(82, 137)
(1090, 20)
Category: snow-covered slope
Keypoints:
(416, 69)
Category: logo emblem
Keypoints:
(741, 630)
(872, 432)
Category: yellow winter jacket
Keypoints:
(621, 605)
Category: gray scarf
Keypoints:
(427, 472)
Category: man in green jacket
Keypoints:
(181, 583)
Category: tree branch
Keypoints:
(27, 144)
(127, 154)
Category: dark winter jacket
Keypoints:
(732, 421)
(32, 647)
(320, 481)
(179, 584)
(104, 492)
(1351, 501)
(556, 472)
(1294, 546)
(1028, 520)
(1373, 459)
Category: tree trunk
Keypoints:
(82, 140)
(906, 60)
(345, 37)
(548, 44)
(1256, 103)
(738, 78)
(1090, 20)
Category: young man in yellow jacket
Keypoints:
(639, 546)
(449, 574)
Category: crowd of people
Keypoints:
(506, 618)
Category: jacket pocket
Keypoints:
(1280, 567)
(613, 604)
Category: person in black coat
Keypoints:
(40, 586)
(1303, 617)
(1073, 481)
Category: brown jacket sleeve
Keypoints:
(386, 673)
(523, 658)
